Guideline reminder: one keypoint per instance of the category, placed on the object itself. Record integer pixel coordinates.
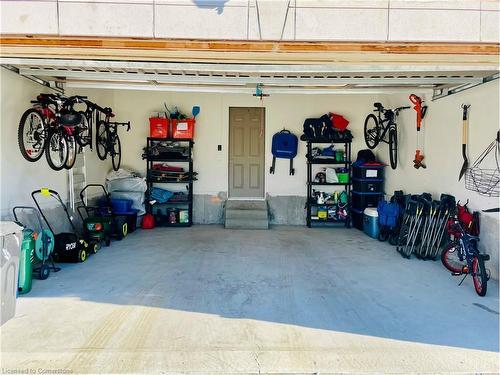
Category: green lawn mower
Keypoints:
(36, 249)
(96, 228)
(68, 246)
(114, 225)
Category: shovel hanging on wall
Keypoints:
(465, 126)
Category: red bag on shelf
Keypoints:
(338, 121)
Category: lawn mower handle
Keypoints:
(29, 208)
(106, 194)
(56, 196)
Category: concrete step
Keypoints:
(246, 205)
(246, 214)
(247, 224)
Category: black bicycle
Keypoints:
(107, 140)
(377, 127)
(462, 257)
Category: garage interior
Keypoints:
(219, 297)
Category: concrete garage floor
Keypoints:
(289, 300)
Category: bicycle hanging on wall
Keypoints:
(383, 124)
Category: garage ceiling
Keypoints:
(302, 68)
(243, 78)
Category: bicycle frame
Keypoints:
(468, 246)
(388, 120)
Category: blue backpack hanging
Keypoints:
(284, 146)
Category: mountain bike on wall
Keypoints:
(35, 123)
(67, 135)
(53, 126)
(107, 141)
(377, 127)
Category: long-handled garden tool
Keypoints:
(465, 126)
(421, 111)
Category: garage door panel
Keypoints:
(28, 17)
(106, 19)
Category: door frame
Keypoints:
(264, 181)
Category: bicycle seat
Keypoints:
(70, 119)
(379, 106)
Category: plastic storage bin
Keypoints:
(357, 218)
(131, 220)
(368, 172)
(183, 128)
(362, 200)
(121, 206)
(370, 222)
(343, 178)
(367, 185)
(158, 127)
(11, 237)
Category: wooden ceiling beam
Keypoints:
(246, 51)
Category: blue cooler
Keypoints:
(370, 222)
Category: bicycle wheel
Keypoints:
(56, 150)
(116, 152)
(393, 147)
(72, 151)
(450, 257)
(31, 135)
(101, 140)
(82, 135)
(372, 131)
(479, 276)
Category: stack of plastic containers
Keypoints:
(368, 189)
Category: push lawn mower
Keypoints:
(69, 246)
(114, 225)
(96, 226)
(96, 229)
(37, 248)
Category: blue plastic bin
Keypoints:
(121, 206)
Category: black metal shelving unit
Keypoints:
(310, 182)
(169, 180)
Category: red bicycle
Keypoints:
(54, 127)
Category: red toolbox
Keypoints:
(183, 128)
(158, 127)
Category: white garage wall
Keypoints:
(212, 130)
(18, 177)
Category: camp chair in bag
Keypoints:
(284, 146)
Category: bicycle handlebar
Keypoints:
(127, 124)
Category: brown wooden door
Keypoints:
(246, 152)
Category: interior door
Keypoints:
(246, 152)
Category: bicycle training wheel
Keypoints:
(72, 151)
(101, 140)
(56, 150)
(116, 153)
(479, 276)
(372, 131)
(393, 147)
(450, 257)
(82, 136)
(31, 135)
